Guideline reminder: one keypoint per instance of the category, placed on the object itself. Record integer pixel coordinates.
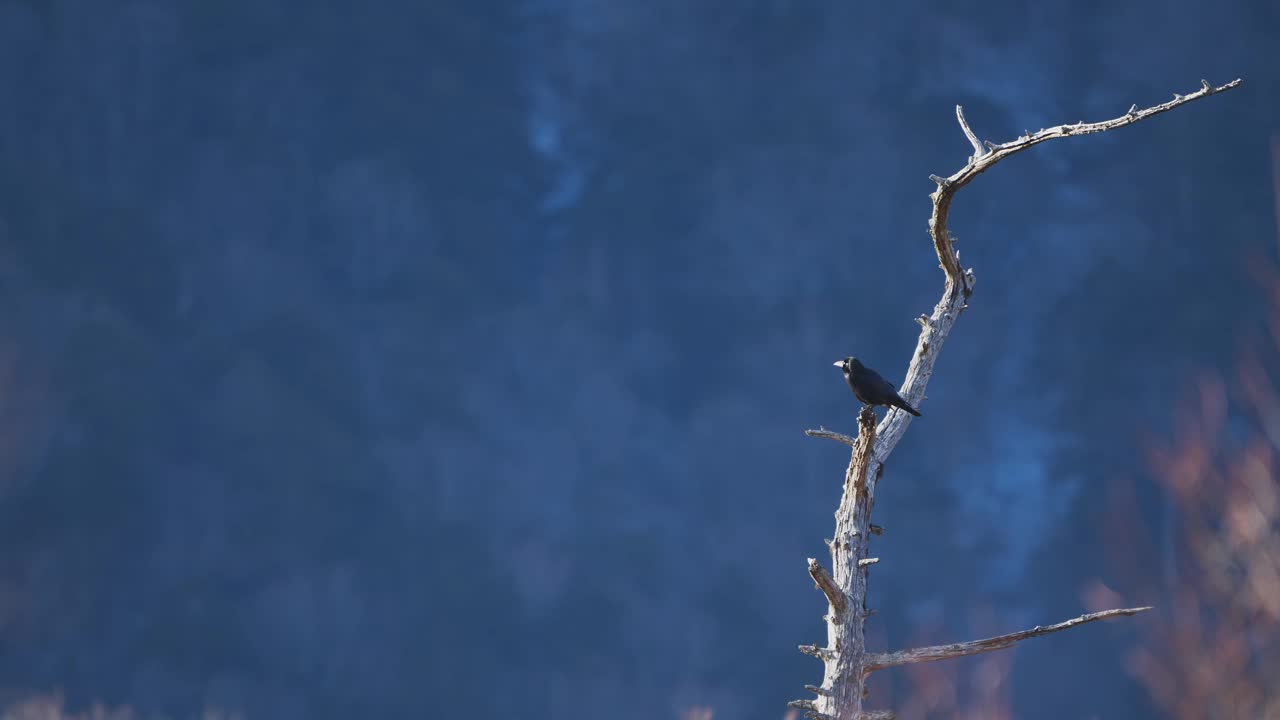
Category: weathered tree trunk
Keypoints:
(847, 611)
(846, 659)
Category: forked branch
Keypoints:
(959, 282)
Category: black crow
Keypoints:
(869, 387)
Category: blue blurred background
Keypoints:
(430, 359)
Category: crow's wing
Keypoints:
(887, 387)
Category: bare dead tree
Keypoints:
(846, 659)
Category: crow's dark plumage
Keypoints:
(869, 387)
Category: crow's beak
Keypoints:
(838, 363)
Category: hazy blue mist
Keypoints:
(409, 359)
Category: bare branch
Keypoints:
(959, 282)
(978, 149)
(879, 661)
(819, 652)
(831, 435)
(864, 562)
(827, 584)
(818, 691)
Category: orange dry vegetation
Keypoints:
(1213, 651)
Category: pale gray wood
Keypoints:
(845, 658)
(879, 661)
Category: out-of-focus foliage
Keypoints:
(1216, 653)
(1213, 649)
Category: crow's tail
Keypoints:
(899, 402)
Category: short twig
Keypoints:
(978, 149)
(831, 435)
(827, 585)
